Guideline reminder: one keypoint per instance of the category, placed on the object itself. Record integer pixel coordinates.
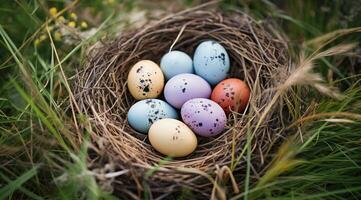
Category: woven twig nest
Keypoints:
(257, 56)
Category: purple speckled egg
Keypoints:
(183, 87)
(205, 117)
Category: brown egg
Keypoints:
(172, 137)
(231, 94)
(145, 80)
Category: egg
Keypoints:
(145, 112)
(145, 80)
(183, 87)
(231, 94)
(205, 117)
(176, 62)
(211, 62)
(172, 137)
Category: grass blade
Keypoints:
(16, 184)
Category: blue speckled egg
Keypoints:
(144, 113)
(176, 62)
(211, 62)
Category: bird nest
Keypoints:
(130, 166)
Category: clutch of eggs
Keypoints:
(188, 89)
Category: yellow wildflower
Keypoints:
(42, 37)
(61, 19)
(73, 16)
(110, 1)
(84, 25)
(37, 42)
(72, 24)
(57, 36)
(53, 11)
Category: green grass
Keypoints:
(41, 156)
(35, 129)
(326, 165)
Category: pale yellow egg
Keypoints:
(145, 80)
(172, 137)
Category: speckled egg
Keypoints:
(211, 61)
(144, 113)
(184, 87)
(145, 80)
(172, 138)
(205, 117)
(231, 94)
(176, 62)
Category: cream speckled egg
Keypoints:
(172, 137)
(145, 80)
